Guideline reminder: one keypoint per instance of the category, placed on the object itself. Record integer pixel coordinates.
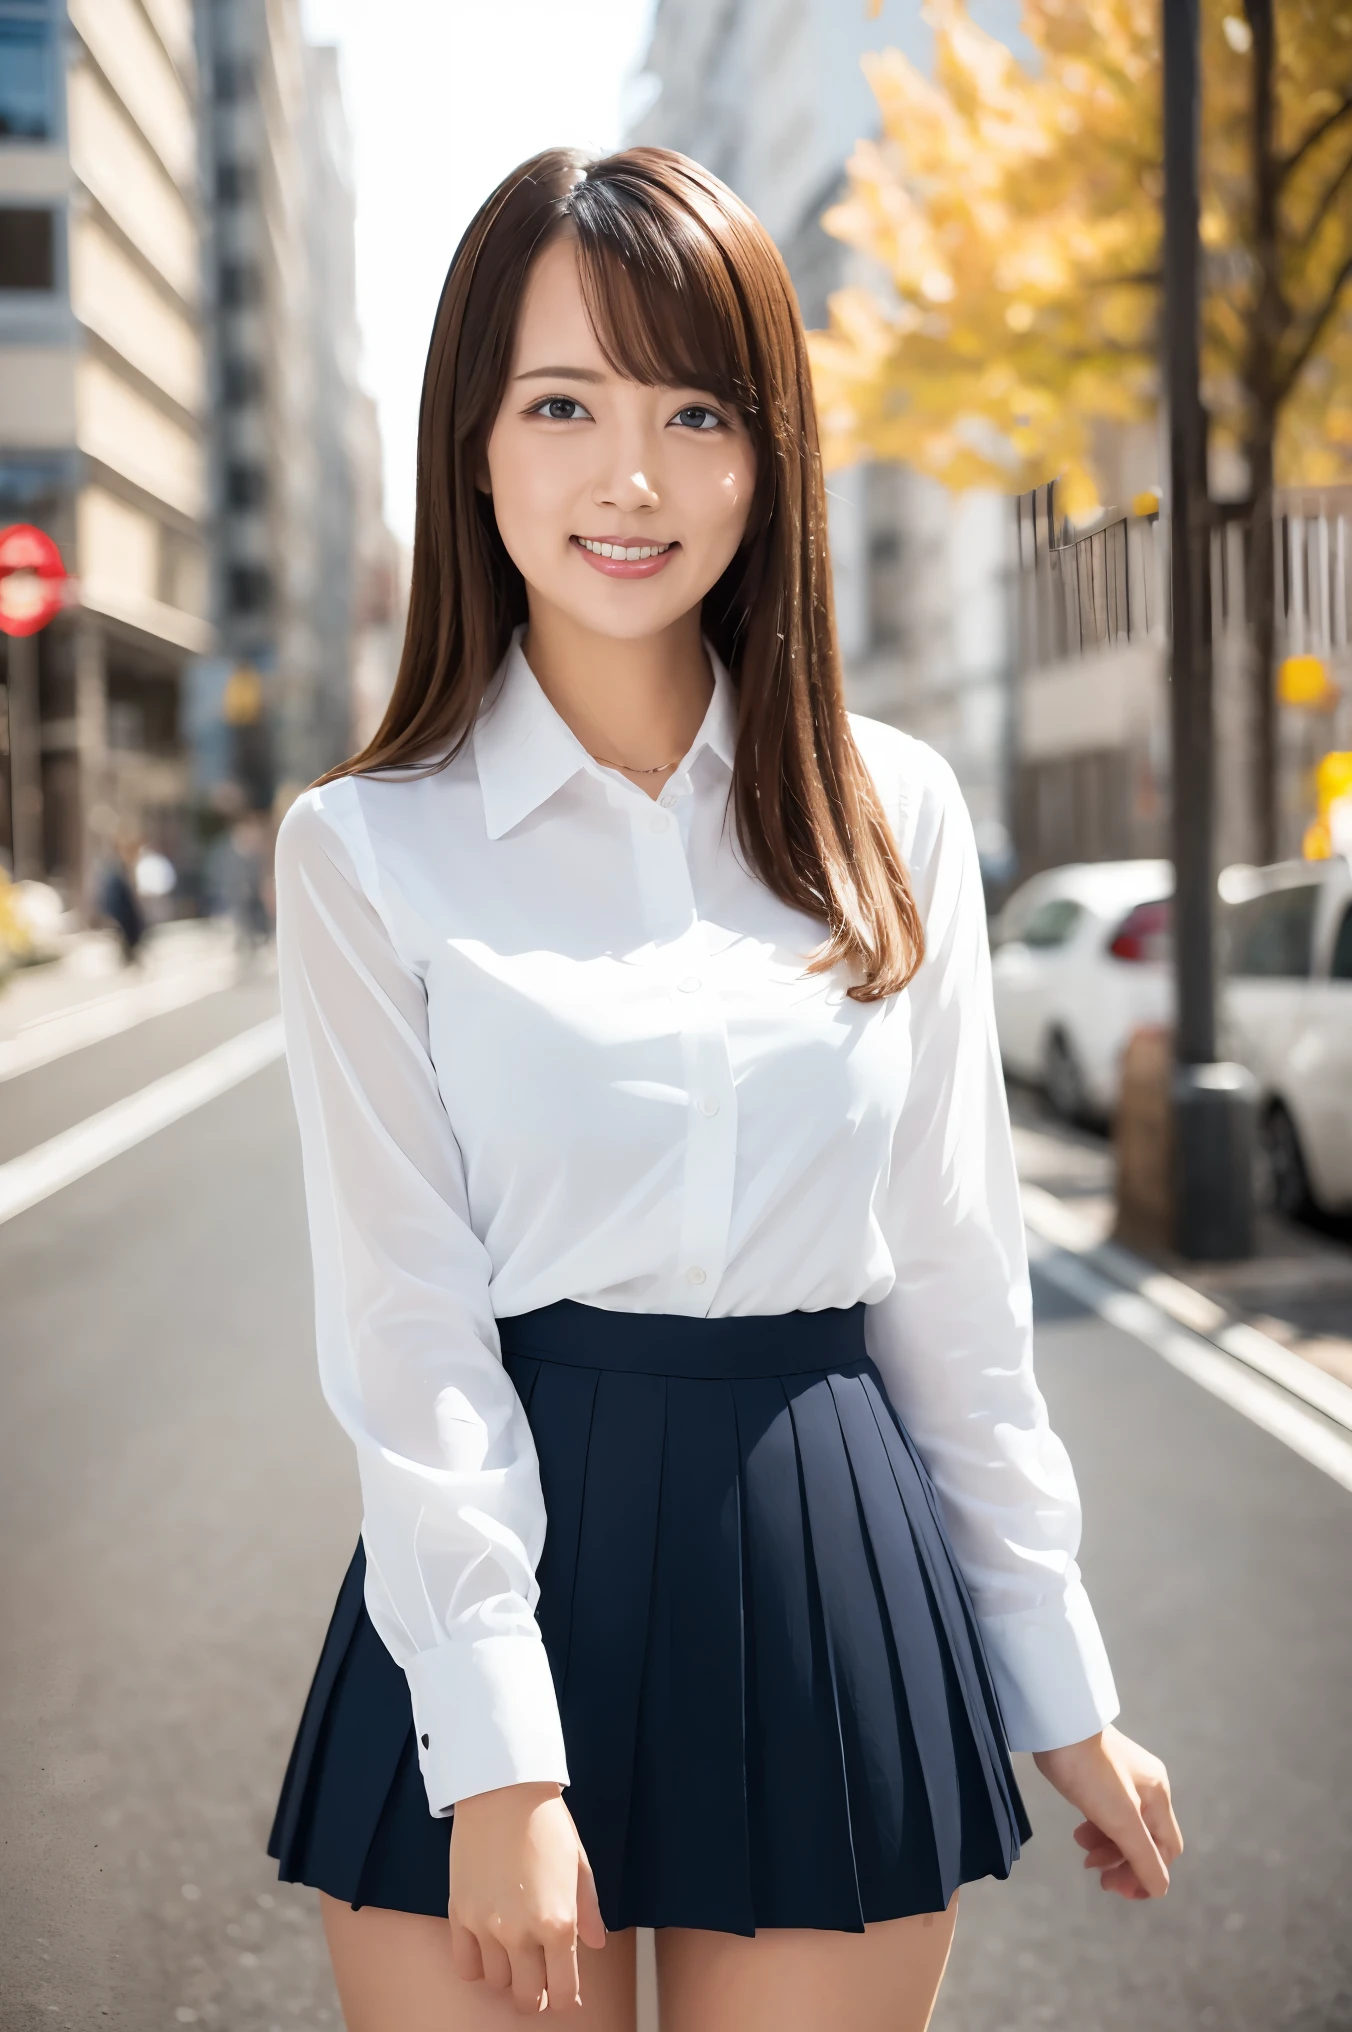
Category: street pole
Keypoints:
(1213, 1104)
(25, 757)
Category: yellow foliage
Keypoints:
(1009, 221)
(1304, 681)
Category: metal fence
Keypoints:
(1080, 593)
(1083, 592)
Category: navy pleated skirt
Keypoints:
(775, 1703)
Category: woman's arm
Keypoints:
(408, 1347)
(954, 1343)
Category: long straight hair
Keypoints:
(684, 289)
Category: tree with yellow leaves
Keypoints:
(1014, 216)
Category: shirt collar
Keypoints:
(524, 751)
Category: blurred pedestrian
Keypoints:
(660, 1183)
(116, 896)
(156, 879)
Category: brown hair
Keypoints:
(684, 289)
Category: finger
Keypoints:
(1124, 1881)
(497, 1963)
(1137, 1844)
(1105, 1858)
(465, 1956)
(560, 1958)
(528, 1977)
(1093, 1839)
(1158, 1810)
(591, 1927)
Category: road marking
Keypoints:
(1263, 1403)
(62, 1159)
(1061, 1225)
(49, 1037)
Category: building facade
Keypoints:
(1093, 777)
(770, 95)
(103, 392)
(303, 586)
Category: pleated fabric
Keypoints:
(775, 1702)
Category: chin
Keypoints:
(626, 618)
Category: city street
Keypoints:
(178, 1508)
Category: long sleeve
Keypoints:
(954, 1337)
(408, 1349)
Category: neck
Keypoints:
(638, 702)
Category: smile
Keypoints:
(631, 552)
(616, 559)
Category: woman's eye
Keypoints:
(560, 409)
(697, 417)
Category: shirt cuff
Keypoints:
(1051, 1672)
(486, 1715)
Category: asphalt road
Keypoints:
(178, 1509)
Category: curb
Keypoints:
(1053, 1221)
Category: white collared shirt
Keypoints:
(549, 1039)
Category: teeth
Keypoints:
(630, 553)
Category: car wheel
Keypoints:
(1284, 1181)
(1062, 1079)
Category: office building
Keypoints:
(102, 400)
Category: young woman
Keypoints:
(668, 1260)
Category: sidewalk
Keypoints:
(88, 994)
(1293, 1298)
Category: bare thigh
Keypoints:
(394, 1974)
(884, 1979)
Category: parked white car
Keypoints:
(1080, 960)
(1286, 1013)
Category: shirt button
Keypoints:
(694, 1275)
(659, 822)
(707, 1105)
(690, 985)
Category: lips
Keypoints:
(623, 558)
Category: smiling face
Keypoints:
(620, 504)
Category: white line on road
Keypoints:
(1262, 1403)
(61, 1160)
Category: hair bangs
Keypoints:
(659, 293)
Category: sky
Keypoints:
(444, 97)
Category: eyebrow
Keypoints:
(560, 374)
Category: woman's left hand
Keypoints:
(1128, 1830)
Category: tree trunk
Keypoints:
(1266, 334)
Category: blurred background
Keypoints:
(224, 226)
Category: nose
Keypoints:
(630, 482)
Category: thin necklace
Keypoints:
(658, 768)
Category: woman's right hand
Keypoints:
(521, 1896)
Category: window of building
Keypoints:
(232, 79)
(241, 382)
(25, 71)
(236, 183)
(1269, 936)
(246, 485)
(250, 589)
(27, 248)
(241, 284)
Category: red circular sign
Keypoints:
(32, 579)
